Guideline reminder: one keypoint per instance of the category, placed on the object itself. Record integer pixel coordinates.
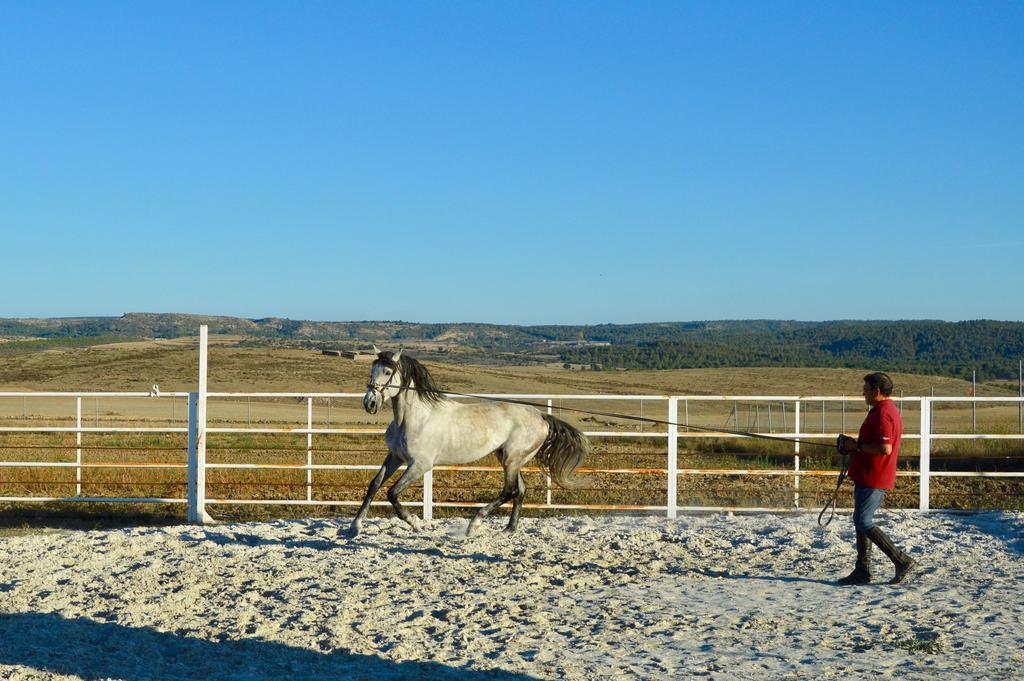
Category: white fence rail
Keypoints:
(796, 417)
(198, 431)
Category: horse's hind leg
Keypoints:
(517, 504)
(391, 464)
(507, 492)
(413, 473)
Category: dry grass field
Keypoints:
(174, 365)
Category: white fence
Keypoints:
(796, 423)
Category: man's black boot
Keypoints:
(904, 563)
(862, 572)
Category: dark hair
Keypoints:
(414, 371)
(880, 382)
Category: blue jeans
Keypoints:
(866, 501)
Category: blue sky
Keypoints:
(515, 162)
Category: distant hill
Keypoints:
(154, 325)
(993, 348)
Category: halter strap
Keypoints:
(391, 364)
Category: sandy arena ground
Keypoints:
(711, 595)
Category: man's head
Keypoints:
(877, 387)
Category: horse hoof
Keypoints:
(472, 529)
(351, 533)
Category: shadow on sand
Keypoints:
(1005, 526)
(446, 553)
(342, 544)
(89, 649)
(787, 579)
(18, 519)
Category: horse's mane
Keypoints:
(412, 370)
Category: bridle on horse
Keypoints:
(393, 365)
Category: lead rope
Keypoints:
(839, 483)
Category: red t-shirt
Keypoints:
(883, 426)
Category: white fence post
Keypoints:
(547, 476)
(673, 455)
(428, 495)
(193, 458)
(796, 456)
(924, 464)
(78, 444)
(197, 442)
(309, 449)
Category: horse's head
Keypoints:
(385, 380)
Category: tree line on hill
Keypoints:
(934, 347)
(993, 348)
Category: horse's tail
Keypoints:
(564, 449)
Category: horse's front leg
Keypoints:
(414, 472)
(391, 464)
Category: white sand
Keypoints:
(578, 598)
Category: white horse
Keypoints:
(430, 429)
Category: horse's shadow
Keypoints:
(88, 649)
(341, 544)
(346, 544)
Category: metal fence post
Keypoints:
(197, 442)
(309, 449)
(78, 443)
(796, 455)
(673, 455)
(974, 402)
(924, 465)
(193, 458)
(547, 476)
(428, 495)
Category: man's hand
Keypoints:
(846, 444)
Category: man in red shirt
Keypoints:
(873, 471)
